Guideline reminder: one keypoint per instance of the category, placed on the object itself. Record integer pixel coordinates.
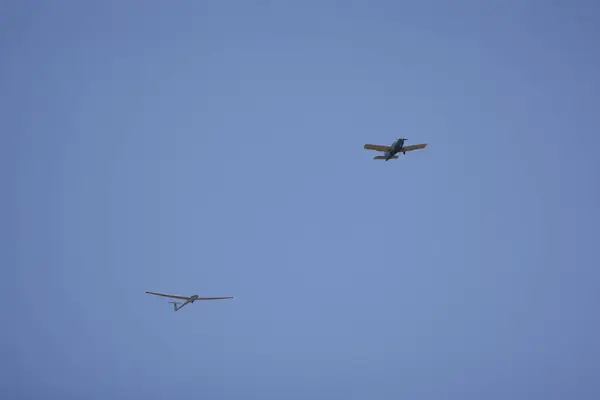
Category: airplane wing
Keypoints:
(169, 295)
(414, 147)
(213, 298)
(377, 147)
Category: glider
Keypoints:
(187, 299)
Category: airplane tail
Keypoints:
(175, 308)
(383, 157)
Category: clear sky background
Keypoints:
(215, 147)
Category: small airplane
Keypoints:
(391, 151)
(188, 300)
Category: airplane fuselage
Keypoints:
(396, 147)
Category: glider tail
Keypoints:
(175, 308)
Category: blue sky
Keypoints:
(216, 148)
